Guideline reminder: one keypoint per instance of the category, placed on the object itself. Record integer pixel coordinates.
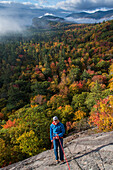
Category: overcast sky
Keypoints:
(77, 5)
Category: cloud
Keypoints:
(46, 14)
(12, 17)
(43, 1)
(84, 4)
(39, 2)
(8, 25)
(27, 3)
(87, 20)
(6, 2)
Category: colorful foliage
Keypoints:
(79, 115)
(73, 88)
(67, 113)
(1, 115)
(39, 99)
(62, 72)
(57, 101)
(9, 124)
(2, 152)
(102, 114)
(29, 143)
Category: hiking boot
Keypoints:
(57, 161)
(62, 161)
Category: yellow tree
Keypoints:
(3, 152)
(111, 75)
(29, 143)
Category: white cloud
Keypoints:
(37, 6)
(46, 14)
(95, 10)
(84, 4)
(5, 2)
(8, 24)
(42, 1)
(27, 3)
(87, 20)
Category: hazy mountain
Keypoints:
(96, 15)
(49, 22)
(52, 18)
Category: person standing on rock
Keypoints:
(57, 131)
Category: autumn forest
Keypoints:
(67, 72)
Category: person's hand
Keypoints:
(51, 140)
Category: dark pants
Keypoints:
(56, 143)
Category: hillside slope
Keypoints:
(67, 73)
(83, 151)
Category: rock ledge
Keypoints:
(83, 152)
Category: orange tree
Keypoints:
(101, 114)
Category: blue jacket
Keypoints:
(56, 129)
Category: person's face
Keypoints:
(55, 121)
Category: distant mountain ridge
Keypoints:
(82, 17)
(52, 18)
(95, 15)
(48, 22)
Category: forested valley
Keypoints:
(67, 72)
